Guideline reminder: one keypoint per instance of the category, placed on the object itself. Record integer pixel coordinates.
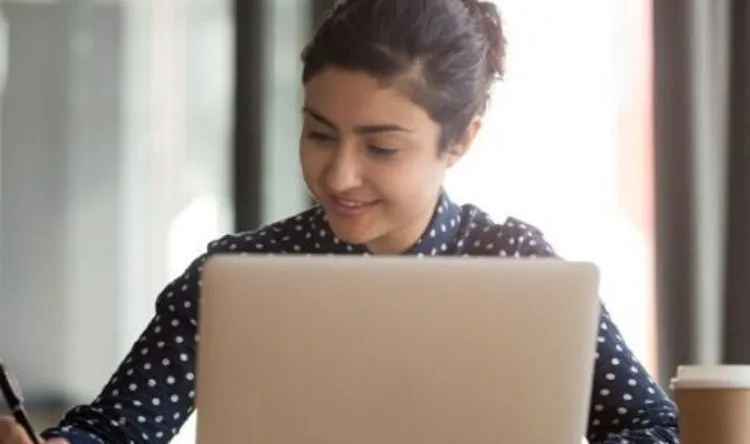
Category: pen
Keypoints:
(14, 399)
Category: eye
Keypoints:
(322, 137)
(381, 151)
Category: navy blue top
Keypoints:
(151, 394)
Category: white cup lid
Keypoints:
(712, 376)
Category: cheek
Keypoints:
(311, 162)
(408, 184)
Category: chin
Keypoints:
(350, 234)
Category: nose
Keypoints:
(344, 171)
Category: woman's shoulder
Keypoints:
(513, 237)
(290, 235)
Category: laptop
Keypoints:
(397, 350)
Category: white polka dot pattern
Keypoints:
(151, 393)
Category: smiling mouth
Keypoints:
(347, 207)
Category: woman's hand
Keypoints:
(12, 433)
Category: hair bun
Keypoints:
(488, 18)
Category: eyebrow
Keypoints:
(363, 129)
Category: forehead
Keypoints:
(350, 98)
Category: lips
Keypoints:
(349, 207)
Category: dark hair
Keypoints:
(445, 53)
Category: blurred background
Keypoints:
(133, 132)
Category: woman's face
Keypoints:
(369, 155)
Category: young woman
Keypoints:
(394, 95)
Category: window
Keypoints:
(566, 145)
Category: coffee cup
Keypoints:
(713, 403)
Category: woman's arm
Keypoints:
(626, 404)
(151, 394)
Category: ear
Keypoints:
(459, 149)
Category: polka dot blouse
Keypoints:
(151, 393)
